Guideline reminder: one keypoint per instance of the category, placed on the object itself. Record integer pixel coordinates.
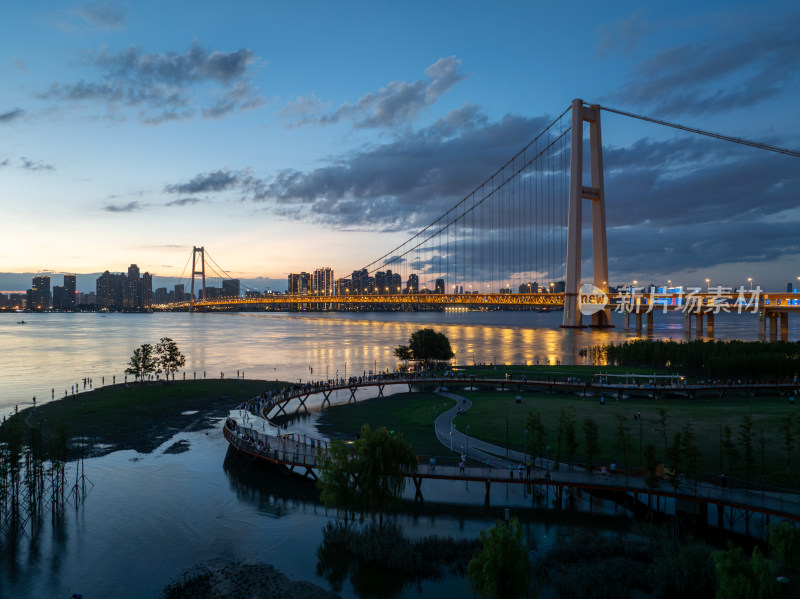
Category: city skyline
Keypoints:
(130, 131)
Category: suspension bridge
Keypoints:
(515, 242)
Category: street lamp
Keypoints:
(708, 284)
(750, 280)
(467, 453)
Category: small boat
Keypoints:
(20, 322)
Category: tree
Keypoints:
(371, 477)
(501, 568)
(740, 578)
(535, 426)
(651, 464)
(787, 431)
(746, 441)
(662, 423)
(622, 437)
(403, 352)
(169, 357)
(689, 450)
(729, 447)
(590, 439)
(784, 544)
(426, 345)
(142, 362)
(675, 462)
(566, 433)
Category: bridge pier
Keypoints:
(380, 390)
(687, 323)
(784, 326)
(762, 324)
(710, 324)
(486, 501)
(626, 320)
(352, 394)
(638, 321)
(303, 402)
(650, 321)
(698, 324)
(327, 399)
(773, 327)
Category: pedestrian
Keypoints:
(511, 470)
(461, 466)
(34, 400)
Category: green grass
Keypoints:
(491, 412)
(142, 417)
(409, 413)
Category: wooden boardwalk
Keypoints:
(298, 454)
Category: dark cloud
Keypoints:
(129, 207)
(184, 202)
(405, 183)
(5, 162)
(165, 86)
(733, 71)
(398, 103)
(31, 165)
(102, 14)
(217, 181)
(11, 115)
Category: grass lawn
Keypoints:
(493, 411)
(142, 417)
(409, 413)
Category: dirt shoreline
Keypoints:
(218, 580)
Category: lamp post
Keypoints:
(708, 284)
(345, 370)
(467, 454)
(750, 280)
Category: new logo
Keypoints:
(591, 299)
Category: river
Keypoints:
(148, 517)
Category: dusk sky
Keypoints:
(286, 136)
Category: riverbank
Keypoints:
(138, 417)
(213, 580)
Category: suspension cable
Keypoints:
(736, 140)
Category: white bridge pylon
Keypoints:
(596, 194)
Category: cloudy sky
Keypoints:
(285, 136)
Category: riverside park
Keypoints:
(645, 468)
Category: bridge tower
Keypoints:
(577, 193)
(202, 271)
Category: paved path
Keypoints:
(482, 451)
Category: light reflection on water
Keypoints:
(123, 542)
(146, 520)
(56, 351)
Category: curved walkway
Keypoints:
(297, 450)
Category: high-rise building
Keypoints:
(110, 290)
(394, 282)
(180, 293)
(40, 293)
(70, 300)
(529, 288)
(380, 283)
(360, 281)
(342, 286)
(130, 297)
(160, 295)
(231, 288)
(323, 281)
(439, 288)
(299, 283)
(145, 292)
(413, 283)
(58, 297)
